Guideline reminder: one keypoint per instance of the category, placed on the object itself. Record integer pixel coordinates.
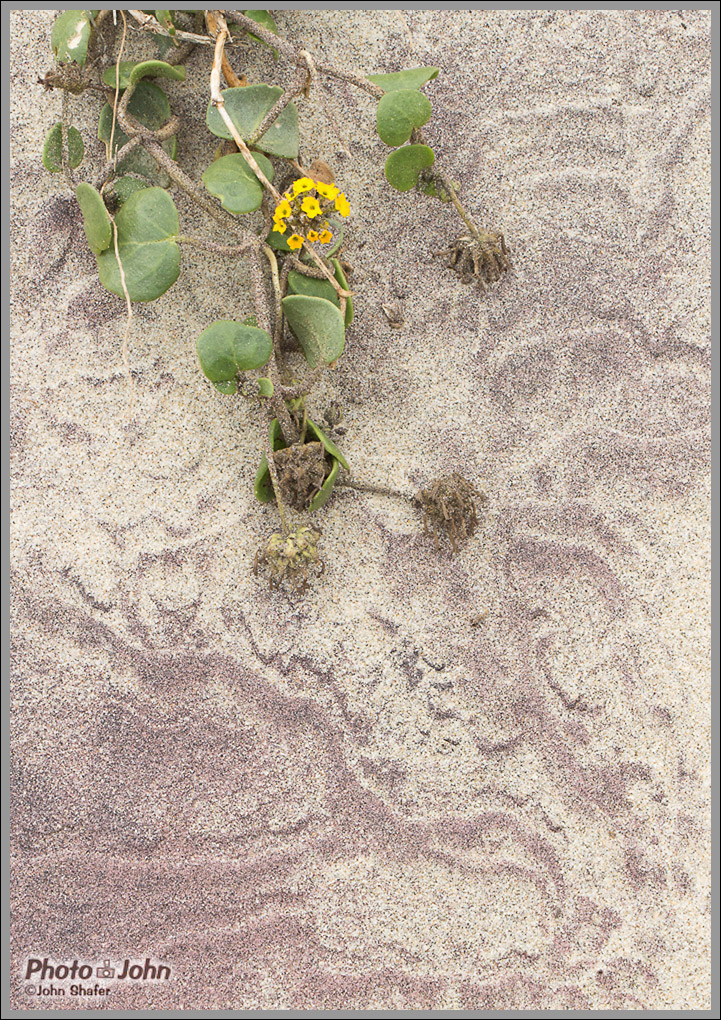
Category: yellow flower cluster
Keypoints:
(302, 212)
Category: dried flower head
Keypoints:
(449, 506)
(484, 258)
(291, 558)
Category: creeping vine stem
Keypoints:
(308, 282)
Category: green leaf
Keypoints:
(52, 150)
(228, 388)
(70, 37)
(265, 387)
(124, 187)
(164, 44)
(157, 69)
(399, 113)
(263, 484)
(95, 218)
(111, 74)
(434, 188)
(147, 226)
(318, 327)
(298, 283)
(226, 348)
(232, 181)
(264, 19)
(414, 78)
(132, 72)
(313, 432)
(247, 106)
(165, 18)
(404, 165)
(277, 241)
(149, 105)
(308, 285)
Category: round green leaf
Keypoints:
(70, 37)
(404, 165)
(226, 348)
(120, 74)
(52, 150)
(147, 226)
(318, 327)
(124, 187)
(265, 387)
(247, 106)
(95, 218)
(228, 388)
(131, 72)
(414, 78)
(149, 105)
(399, 113)
(277, 241)
(262, 18)
(298, 283)
(232, 181)
(308, 285)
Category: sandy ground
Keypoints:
(355, 799)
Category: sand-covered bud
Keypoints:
(68, 77)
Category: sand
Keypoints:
(355, 799)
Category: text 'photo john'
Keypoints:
(43, 970)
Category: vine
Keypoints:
(286, 221)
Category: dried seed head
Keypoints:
(449, 507)
(485, 259)
(291, 558)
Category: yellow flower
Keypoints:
(312, 235)
(310, 207)
(342, 204)
(279, 227)
(295, 241)
(325, 237)
(326, 190)
(302, 184)
(282, 210)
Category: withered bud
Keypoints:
(69, 77)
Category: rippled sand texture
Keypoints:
(356, 799)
